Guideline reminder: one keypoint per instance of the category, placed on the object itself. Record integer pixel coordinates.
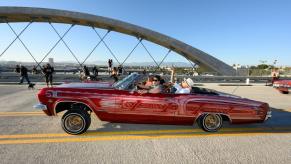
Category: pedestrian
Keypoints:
(275, 75)
(48, 71)
(95, 72)
(23, 74)
(17, 69)
(34, 70)
(114, 74)
(120, 70)
(86, 71)
(110, 63)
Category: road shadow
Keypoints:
(279, 123)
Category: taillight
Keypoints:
(264, 108)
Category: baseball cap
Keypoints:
(189, 82)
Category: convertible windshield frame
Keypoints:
(126, 82)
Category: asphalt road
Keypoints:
(28, 136)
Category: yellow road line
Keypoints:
(153, 132)
(99, 133)
(62, 140)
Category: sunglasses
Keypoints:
(155, 80)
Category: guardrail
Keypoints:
(69, 77)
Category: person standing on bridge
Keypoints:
(114, 74)
(23, 74)
(110, 63)
(86, 72)
(48, 71)
(17, 69)
(120, 70)
(34, 70)
(95, 72)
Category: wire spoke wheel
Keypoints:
(74, 123)
(210, 122)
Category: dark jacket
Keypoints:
(23, 71)
(86, 71)
(48, 71)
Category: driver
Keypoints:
(156, 86)
(147, 84)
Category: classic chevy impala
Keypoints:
(284, 86)
(120, 102)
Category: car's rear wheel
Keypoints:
(210, 122)
(285, 92)
(76, 121)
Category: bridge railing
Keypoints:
(104, 76)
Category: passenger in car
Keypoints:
(185, 87)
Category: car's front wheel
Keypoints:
(210, 122)
(76, 121)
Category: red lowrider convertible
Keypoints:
(283, 86)
(120, 102)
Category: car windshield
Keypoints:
(126, 82)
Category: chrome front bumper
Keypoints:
(269, 115)
(40, 106)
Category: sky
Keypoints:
(245, 32)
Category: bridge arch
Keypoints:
(28, 14)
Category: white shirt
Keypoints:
(180, 89)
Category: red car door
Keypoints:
(148, 108)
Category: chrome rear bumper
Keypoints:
(268, 115)
(40, 106)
